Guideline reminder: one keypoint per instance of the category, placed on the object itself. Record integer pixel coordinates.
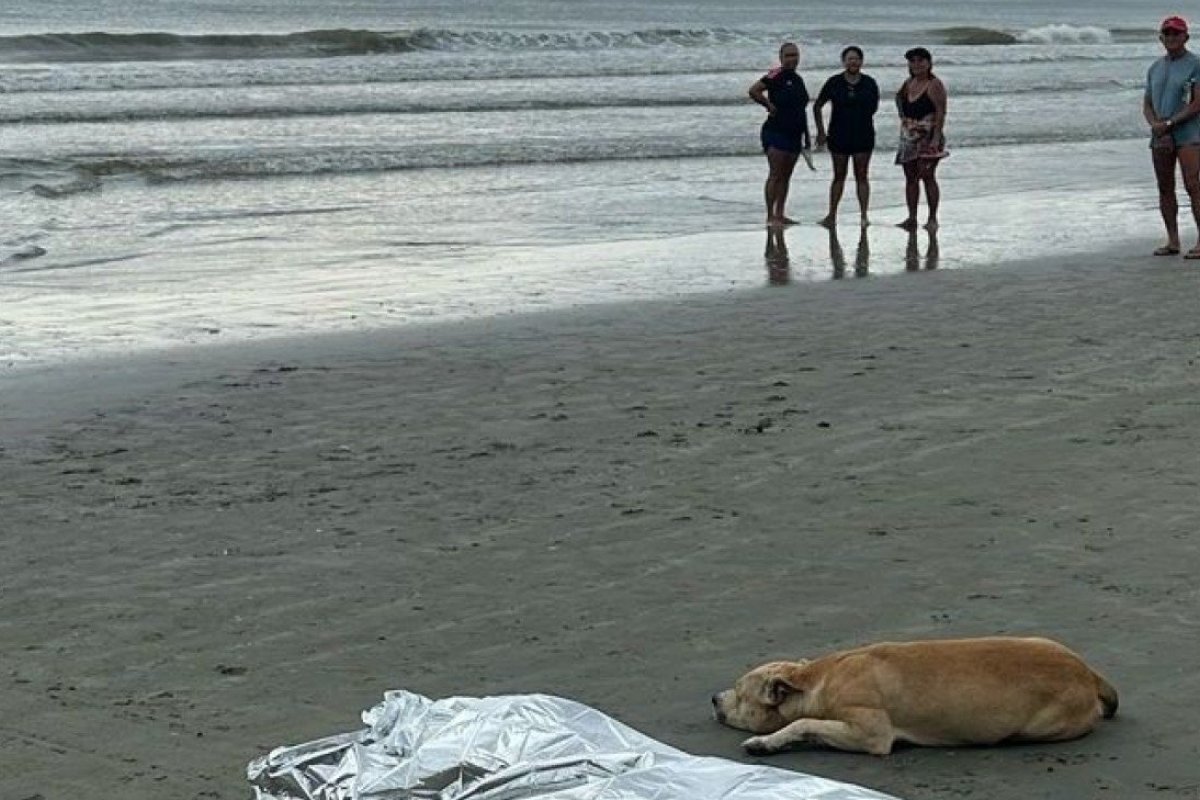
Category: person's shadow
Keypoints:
(779, 264)
(912, 253)
(862, 255)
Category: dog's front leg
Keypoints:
(868, 735)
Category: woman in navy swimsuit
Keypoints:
(785, 132)
(921, 102)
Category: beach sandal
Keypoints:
(1167, 250)
(1193, 254)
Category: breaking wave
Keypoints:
(154, 46)
(1047, 34)
(1067, 34)
(100, 46)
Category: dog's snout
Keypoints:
(718, 712)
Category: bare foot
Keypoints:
(827, 221)
(909, 224)
(787, 221)
(863, 222)
(1168, 249)
(931, 225)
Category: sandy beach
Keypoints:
(216, 551)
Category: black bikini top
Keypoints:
(920, 108)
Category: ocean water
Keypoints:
(183, 171)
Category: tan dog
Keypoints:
(941, 692)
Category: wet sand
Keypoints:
(583, 237)
(223, 550)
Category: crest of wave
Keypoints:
(1066, 34)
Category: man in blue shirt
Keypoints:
(1172, 110)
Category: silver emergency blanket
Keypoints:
(513, 748)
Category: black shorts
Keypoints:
(851, 145)
(781, 140)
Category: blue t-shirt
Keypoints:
(1169, 89)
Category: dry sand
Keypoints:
(212, 554)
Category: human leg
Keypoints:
(1164, 175)
(783, 163)
(912, 189)
(1189, 168)
(862, 183)
(836, 186)
(933, 192)
(769, 189)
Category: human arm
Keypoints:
(1161, 126)
(940, 99)
(1158, 127)
(1148, 112)
(758, 93)
(899, 100)
(1188, 112)
(823, 97)
(805, 99)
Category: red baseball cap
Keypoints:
(1174, 24)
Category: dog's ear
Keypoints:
(776, 687)
(774, 691)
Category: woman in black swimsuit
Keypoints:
(785, 132)
(855, 99)
(921, 102)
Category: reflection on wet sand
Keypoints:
(912, 253)
(862, 255)
(779, 267)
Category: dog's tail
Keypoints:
(1107, 695)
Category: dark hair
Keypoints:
(852, 49)
(916, 52)
(786, 45)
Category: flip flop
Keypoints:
(1193, 254)
(1167, 250)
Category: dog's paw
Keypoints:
(758, 746)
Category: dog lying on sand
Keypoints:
(936, 693)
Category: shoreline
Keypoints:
(625, 505)
(57, 389)
(262, 273)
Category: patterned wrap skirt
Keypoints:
(918, 142)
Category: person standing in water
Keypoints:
(921, 102)
(854, 98)
(1171, 108)
(784, 133)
